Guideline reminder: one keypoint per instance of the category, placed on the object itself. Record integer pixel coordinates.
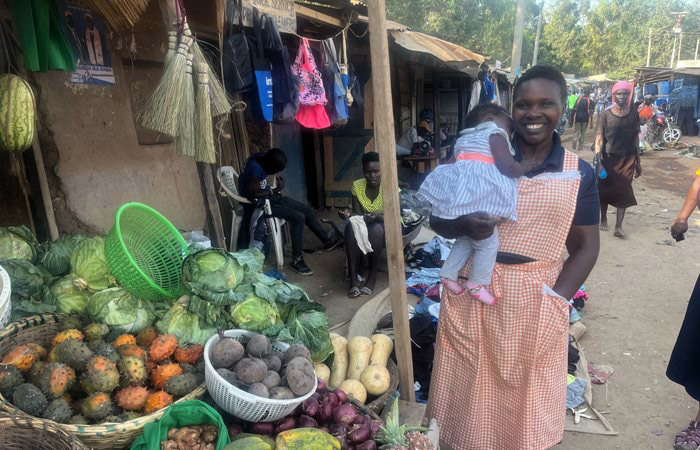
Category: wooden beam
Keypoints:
(312, 14)
(386, 145)
(44, 186)
(211, 202)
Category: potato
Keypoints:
(300, 376)
(295, 351)
(273, 362)
(259, 389)
(281, 393)
(258, 345)
(227, 375)
(251, 370)
(272, 379)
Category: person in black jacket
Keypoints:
(582, 112)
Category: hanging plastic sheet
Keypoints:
(263, 70)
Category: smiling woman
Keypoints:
(495, 361)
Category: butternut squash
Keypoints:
(339, 369)
(360, 350)
(354, 388)
(382, 345)
(376, 379)
(322, 372)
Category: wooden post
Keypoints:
(44, 185)
(211, 203)
(386, 145)
(437, 142)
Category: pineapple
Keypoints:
(394, 436)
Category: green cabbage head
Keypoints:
(184, 325)
(57, 257)
(18, 243)
(70, 299)
(212, 274)
(90, 266)
(119, 309)
(255, 314)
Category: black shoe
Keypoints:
(300, 267)
(332, 244)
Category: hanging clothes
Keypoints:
(238, 68)
(285, 95)
(262, 69)
(312, 95)
(344, 72)
(474, 95)
(337, 108)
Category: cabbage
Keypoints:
(184, 324)
(90, 266)
(29, 292)
(18, 243)
(255, 314)
(212, 274)
(120, 310)
(57, 257)
(308, 324)
(70, 299)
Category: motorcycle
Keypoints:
(661, 131)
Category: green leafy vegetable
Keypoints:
(212, 274)
(119, 309)
(58, 253)
(308, 324)
(18, 243)
(184, 325)
(255, 314)
(29, 291)
(90, 266)
(69, 298)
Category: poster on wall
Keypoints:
(281, 11)
(87, 35)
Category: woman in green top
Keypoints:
(366, 202)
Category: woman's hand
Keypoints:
(679, 228)
(638, 169)
(344, 213)
(369, 218)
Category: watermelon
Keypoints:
(16, 113)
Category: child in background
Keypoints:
(482, 179)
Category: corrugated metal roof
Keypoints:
(452, 55)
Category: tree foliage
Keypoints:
(582, 37)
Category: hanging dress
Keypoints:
(499, 376)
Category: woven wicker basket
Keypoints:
(377, 404)
(41, 329)
(364, 410)
(24, 432)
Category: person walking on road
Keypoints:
(582, 119)
(499, 371)
(684, 365)
(617, 150)
(570, 103)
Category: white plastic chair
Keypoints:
(228, 187)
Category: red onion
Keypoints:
(310, 407)
(375, 426)
(342, 396)
(234, 429)
(330, 397)
(325, 413)
(262, 428)
(316, 396)
(305, 421)
(325, 429)
(322, 387)
(360, 433)
(344, 414)
(338, 430)
(367, 445)
(360, 420)
(285, 424)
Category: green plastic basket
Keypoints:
(145, 252)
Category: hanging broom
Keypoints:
(204, 133)
(184, 143)
(162, 108)
(172, 46)
(220, 103)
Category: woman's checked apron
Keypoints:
(499, 376)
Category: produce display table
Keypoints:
(423, 164)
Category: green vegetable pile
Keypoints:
(225, 290)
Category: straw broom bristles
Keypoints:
(172, 46)
(161, 111)
(205, 151)
(220, 103)
(120, 14)
(184, 143)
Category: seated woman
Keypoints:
(367, 204)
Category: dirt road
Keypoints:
(639, 291)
